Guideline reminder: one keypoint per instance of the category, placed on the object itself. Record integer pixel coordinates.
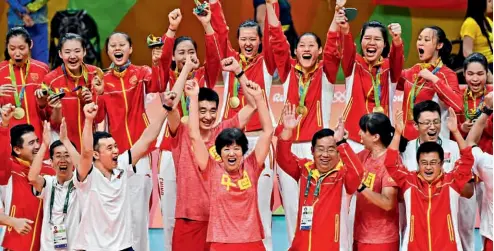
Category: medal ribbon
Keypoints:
(303, 88)
(65, 204)
(416, 89)
(185, 101)
(84, 75)
(376, 86)
(18, 97)
(472, 115)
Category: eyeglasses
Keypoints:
(329, 150)
(429, 123)
(430, 163)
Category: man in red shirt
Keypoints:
(326, 185)
(15, 161)
(192, 208)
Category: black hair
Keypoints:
(231, 136)
(445, 51)
(425, 106)
(384, 33)
(56, 144)
(250, 24)
(97, 136)
(207, 94)
(316, 37)
(16, 134)
(14, 32)
(378, 123)
(127, 37)
(71, 36)
(430, 147)
(476, 58)
(476, 10)
(178, 41)
(321, 134)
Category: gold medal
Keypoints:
(19, 113)
(378, 109)
(302, 110)
(184, 119)
(234, 102)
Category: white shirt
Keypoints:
(72, 218)
(106, 218)
(451, 154)
(483, 169)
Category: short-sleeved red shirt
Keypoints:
(234, 214)
(373, 224)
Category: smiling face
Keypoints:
(428, 46)
(107, 153)
(248, 41)
(207, 114)
(232, 156)
(476, 77)
(30, 147)
(18, 49)
(72, 55)
(62, 163)
(430, 166)
(429, 126)
(183, 50)
(308, 51)
(326, 156)
(372, 44)
(119, 49)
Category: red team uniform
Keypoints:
(20, 201)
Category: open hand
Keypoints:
(399, 125)
(22, 226)
(452, 121)
(290, 120)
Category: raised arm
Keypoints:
(453, 128)
(267, 51)
(478, 127)
(86, 160)
(338, 27)
(396, 54)
(174, 18)
(5, 148)
(73, 153)
(279, 44)
(231, 65)
(463, 169)
(200, 150)
(284, 156)
(218, 22)
(446, 87)
(263, 144)
(141, 147)
(33, 176)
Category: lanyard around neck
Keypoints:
(65, 204)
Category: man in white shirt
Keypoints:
(61, 208)
(103, 185)
(428, 114)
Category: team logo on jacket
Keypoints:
(447, 157)
(133, 80)
(369, 180)
(34, 76)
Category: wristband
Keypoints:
(487, 110)
(240, 74)
(172, 29)
(168, 108)
(343, 141)
(362, 188)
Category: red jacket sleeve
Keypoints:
(349, 54)
(218, 22)
(396, 170)
(166, 58)
(462, 172)
(101, 114)
(331, 57)
(353, 166)
(266, 44)
(489, 128)
(286, 159)
(448, 90)
(281, 50)
(5, 155)
(151, 79)
(213, 60)
(396, 62)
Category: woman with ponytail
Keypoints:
(430, 80)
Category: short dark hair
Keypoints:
(425, 106)
(321, 134)
(476, 58)
(16, 134)
(316, 37)
(97, 136)
(71, 36)
(250, 24)
(384, 32)
(56, 144)
(14, 32)
(208, 94)
(230, 136)
(430, 147)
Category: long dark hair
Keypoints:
(445, 51)
(384, 32)
(13, 32)
(378, 123)
(476, 10)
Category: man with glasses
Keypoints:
(427, 117)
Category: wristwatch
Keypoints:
(341, 142)
(487, 110)
(362, 188)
